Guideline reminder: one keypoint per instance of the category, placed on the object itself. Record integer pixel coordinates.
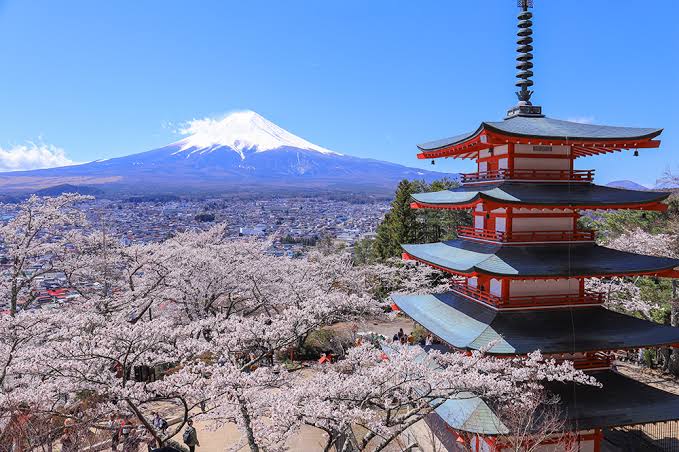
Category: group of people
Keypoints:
(410, 339)
(124, 433)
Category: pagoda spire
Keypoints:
(524, 63)
(524, 60)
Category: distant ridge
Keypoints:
(242, 152)
(627, 184)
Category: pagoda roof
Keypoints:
(468, 325)
(589, 139)
(575, 195)
(549, 128)
(619, 401)
(556, 260)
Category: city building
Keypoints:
(519, 271)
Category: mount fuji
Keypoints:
(242, 151)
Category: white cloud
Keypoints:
(582, 119)
(32, 156)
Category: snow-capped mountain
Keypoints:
(242, 132)
(242, 151)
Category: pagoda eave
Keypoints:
(468, 257)
(564, 195)
(653, 206)
(465, 325)
(664, 273)
(585, 139)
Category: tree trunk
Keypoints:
(674, 321)
(247, 424)
(13, 299)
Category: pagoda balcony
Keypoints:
(492, 235)
(526, 301)
(529, 175)
(594, 361)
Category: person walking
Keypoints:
(159, 423)
(191, 436)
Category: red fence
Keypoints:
(527, 301)
(527, 174)
(528, 236)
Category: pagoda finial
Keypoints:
(524, 63)
(524, 60)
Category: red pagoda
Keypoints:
(519, 272)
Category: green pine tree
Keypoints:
(404, 224)
(400, 225)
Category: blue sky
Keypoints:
(368, 78)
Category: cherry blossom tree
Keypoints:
(527, 423)
(216, 307)
(624, 294)
(621, 294)
(204, 323)
(386, 393)
(37, 232)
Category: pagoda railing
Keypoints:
(529, 174)
(598, 360)
(526, 301)
(526, 236)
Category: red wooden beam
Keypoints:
(651, 206)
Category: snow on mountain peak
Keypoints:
(240, 131)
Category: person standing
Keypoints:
(69, 440)
(191, 436)
(114, 429)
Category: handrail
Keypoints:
(596, 360)
(589, 297)
(579, 235)
(529, 174)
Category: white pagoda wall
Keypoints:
(496, 287)
(521, 288)
(541, 164)
(542, 149)
(497, 150)
(542, 224)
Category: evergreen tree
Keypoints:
(404, 224)
(442, 224)
(400, 225)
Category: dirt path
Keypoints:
(651, 377)
(228, 436)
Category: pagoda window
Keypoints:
(472, 282)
